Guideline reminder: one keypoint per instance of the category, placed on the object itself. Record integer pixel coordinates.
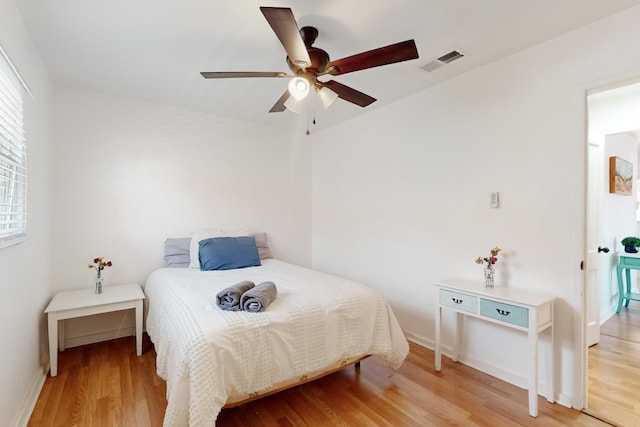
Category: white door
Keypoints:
(596, 272)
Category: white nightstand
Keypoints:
(85, 302)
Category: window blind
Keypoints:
(13, 165)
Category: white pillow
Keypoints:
(208, 233)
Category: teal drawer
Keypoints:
(507, 313)
(458, 300)
(630, 261)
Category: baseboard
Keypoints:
(420, 340)
(496, 371)
(606, 315)
(23, 415)
(99, 337)
(564, 400)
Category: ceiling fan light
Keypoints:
(299, 88)
(293, 104)
(327, 96)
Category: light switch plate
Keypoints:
(495, 200)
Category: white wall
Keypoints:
(24, 268)
(129, 174)
(401, 195)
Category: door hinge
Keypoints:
(582, 265)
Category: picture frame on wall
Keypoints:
(620, 176)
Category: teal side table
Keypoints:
(627, 263)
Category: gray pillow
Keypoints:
(176, 252)
(263, 245)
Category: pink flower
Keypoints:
(99, 264)
(490, 260)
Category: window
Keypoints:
(13, 167)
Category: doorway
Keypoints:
(612, 340)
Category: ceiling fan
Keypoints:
(308, 63)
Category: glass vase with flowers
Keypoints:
(99, 264)
(488, 270)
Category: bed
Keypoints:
(211, 358)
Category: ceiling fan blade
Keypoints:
(398, 52)
(349, 94)
(279, 106)
(238, 74)
(284, 25)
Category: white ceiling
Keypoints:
(154, 49)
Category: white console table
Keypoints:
(525, 311)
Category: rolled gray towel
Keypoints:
(229, 298)
(258, 298)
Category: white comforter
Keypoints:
(207, 355)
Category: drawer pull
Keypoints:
(456, 300)
(502, 312)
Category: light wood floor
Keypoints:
(614, 369)
(105, 384)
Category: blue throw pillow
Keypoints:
(225, 253)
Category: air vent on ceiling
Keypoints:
(447, 58)
(450, 57)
